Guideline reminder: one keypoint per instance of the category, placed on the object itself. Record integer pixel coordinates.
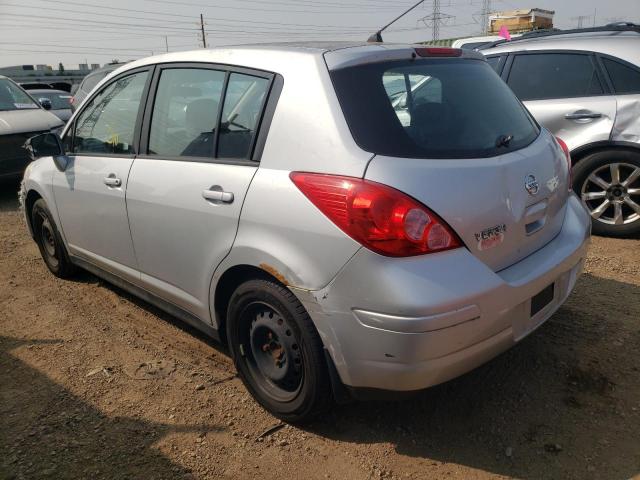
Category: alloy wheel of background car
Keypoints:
(49, 241)
(277, 351)
(610, 190)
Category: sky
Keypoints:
(98, 31)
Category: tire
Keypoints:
(49, 242)
(277, 351)
(620, 216)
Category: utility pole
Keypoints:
(204, 38)
(484, 16)
(166, 44)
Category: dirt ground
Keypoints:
(563, 404)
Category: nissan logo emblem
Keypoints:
(531, 184)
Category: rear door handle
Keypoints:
(218, 196)
(582, 115)
(112, 181)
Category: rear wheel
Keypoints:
(277, 351)
(608, 184)
(49, 241)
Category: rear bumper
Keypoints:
(406, 324)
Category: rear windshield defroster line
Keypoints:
(432, 108)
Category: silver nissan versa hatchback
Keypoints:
(284, 199)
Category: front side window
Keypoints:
(242, 108)
(107, 124)
(624, 78)
(185, 112)
(12, 97)
(553, 75)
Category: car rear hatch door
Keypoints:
(446, 130)
(491, 203)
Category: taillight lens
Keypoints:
(567, 154)
(377, 216)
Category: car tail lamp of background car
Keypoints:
(377, 216)
(567, 155)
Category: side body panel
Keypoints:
(179, 236)
(552, 114)
(93, 215)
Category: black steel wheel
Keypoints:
(277, 350)
(49, 241)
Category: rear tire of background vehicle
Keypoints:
(49, 242)
(277, 351)
(608, 183)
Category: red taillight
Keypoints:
(438, 52)
(377, 216)
(567, 154)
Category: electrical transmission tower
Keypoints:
(436, 19)
(580, 19)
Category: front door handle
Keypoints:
(583, 115)
(112, 181)
(217, 195)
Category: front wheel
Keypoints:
(277, 350)
(608, 183)
(49, 241)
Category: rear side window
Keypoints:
(185, 113)
(242, 107)
(108, 123)
(624, 78)
(554, 75)
(432, 108)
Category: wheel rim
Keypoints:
(48, 241)
(271, 352)
(611, 193)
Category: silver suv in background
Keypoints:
(281, 198)
(89, 82)
(584, 86)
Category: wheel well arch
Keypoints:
(581, 152)
(227, 284)
(31, 198)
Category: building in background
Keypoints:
(521, 20)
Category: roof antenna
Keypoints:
(377, 37)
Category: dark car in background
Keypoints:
(56, 101)
(90, 81)
(21, 117)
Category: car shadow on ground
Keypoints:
(66, 437)
(561, 404)
(9, 195)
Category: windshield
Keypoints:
(12, 97)
(59, 100)
(432, 108)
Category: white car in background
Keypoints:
(21, 117)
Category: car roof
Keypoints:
(280, 57)
(48, 90)
(618, 43)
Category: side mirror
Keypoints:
(47, 145)
(45, 102)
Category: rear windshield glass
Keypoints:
(59, 101)
(432, 108)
